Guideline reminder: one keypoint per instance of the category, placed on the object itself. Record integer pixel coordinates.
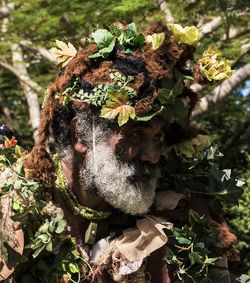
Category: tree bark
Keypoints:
(211, 26)
(46, 54)
(31, 88)
(221, 91)
(6, 10)
(164, 8)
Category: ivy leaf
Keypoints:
(139, 40)
(166, 96)
(195, 258)
(150, 116)
(178, 87)
(194, 218)
(181, 236)
(176, 112)
(117, 106)
(64, 53)
(128, 37)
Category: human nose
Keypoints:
(150, 152)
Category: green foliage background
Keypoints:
(40, 22)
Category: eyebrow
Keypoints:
(138, 127)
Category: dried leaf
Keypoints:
(64, 54)
(156, 39)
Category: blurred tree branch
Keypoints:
(164, 8)
(30, 88)
(6, 10)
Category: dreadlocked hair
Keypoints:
(38, 163)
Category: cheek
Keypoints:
(114, 140)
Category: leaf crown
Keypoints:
(161, 57)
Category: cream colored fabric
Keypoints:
(167, 200)
(137, 243)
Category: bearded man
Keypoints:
(112, 111)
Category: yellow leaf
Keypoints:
(187, 35)
(118, 105)
(64, 54)
(156, 39)
(213, 66)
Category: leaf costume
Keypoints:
(122, 76)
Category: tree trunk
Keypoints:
(30, 88)
(211, 26)
(6, 9)
(164, 8)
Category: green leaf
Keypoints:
(132, 27)
(211, 260)
(45, 238)
(139, 40)
(194, 218)
(102, 37)
(195, 258)
(105, 42)
(73, 268)
(178, 87)
(148, 117)
(166, 96)
(49, 246)
(61, 226)
(180, 236)
(176, 112)
(38, 251)
(104, 52)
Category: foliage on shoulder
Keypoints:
(200, 176)
(192, 251)
(43, 224)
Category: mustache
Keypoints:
(143, 172)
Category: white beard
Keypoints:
(110, 179)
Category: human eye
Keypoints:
(135, 137)
(159, 137)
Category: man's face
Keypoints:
(122, 167)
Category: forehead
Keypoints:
(150, 126)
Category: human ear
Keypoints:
(78, 146)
